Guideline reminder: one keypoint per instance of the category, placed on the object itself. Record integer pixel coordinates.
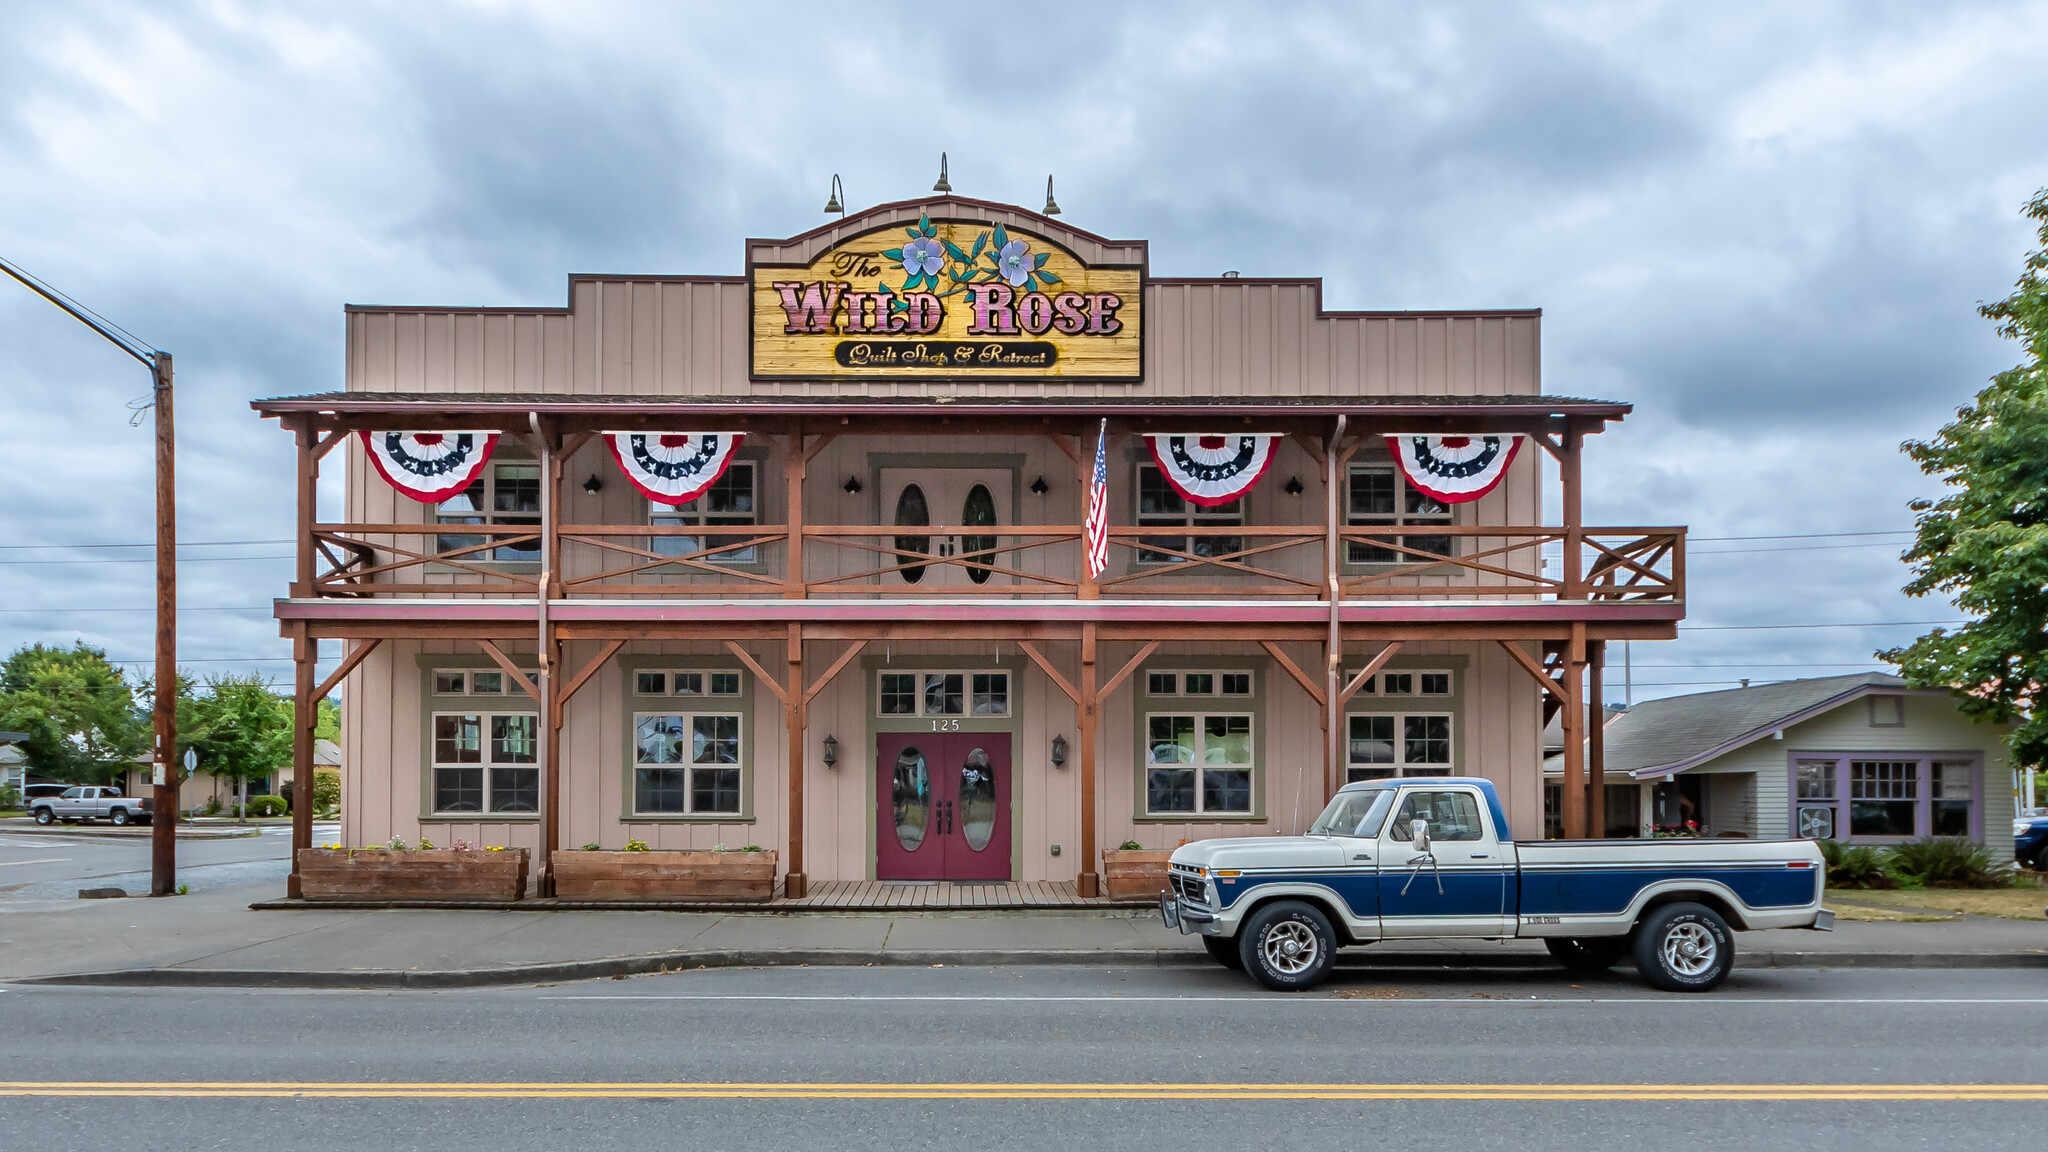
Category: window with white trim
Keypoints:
(686, 682)
(686, 763)
(506, 493)
(1406, 682)
(1201, 682)
(1379, 496)
(1159, 506)
(486, 762)
(1198, 763)
(965, 692)
(1384, 744)
(478, 682)
(732, 500)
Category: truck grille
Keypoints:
(1189, 888)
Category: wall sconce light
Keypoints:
(1040, 487)
(831, 752)
(852, 485)
(1294, 485)
(1059, 751)
(593, 485)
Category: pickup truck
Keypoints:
(1420, 858)
(91, 803)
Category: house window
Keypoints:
(1380, 496)
(506, 493)
(1883, 795)
(1398, 744)
(1814, 791)
(1159, 683)
(1159, 506)
(963, 693)
(690, 682)
(730, 500)
(477, 682)
(686, 763)
(1197, 763)
(1950, 792)
(1887, 711)
(486, 762)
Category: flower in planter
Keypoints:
(397, 845)
(1130, 846)
(636, 846)
(462, 845)
(426, 845)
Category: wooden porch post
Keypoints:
(305, 714)
(1088, 883)
(1333, 646)
(1596, 740)
(793, 467)
(309, 493)
(1574, 527)
(1572, 716)
(798, 883)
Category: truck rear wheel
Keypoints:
(1587, 953)
(1223, 950)
(118, 816)
(1684, 947)
(1287, 946)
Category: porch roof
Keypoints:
(505, 405)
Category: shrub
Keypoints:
(1860, 867)
(266, 806)
(213, 805)
(1830, 854)
(1130, 846)
(10, 796)
(1948, 862)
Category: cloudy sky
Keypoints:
(1766, 225)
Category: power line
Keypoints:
(1802, 536)
(1773, 627)
(181, 608)
(143, 560)
(181, 544)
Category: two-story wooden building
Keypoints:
(799, 557)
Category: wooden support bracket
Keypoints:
(349, 660)
(511, 669)
(1308, 685)
(1052, 673)
(1373, 665)
(772, 683)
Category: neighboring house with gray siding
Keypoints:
(1860, 758)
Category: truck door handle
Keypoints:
(1482, 855)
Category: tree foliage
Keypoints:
(1985, 543)
(241, 728)
(79, 711)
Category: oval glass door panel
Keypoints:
(977, 800)
(911, 796)
(978, 511)
(912, 512)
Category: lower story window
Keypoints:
(1198, 763)
(1392, 744)
(486, 762)
(1891, 798)
(1882, 797)
(686, 763)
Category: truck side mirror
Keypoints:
(1419, 834)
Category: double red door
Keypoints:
(942, 806)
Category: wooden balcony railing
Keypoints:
(1264, 561)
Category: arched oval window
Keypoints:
(912, 512)
(978, 511)
(911, 797)
(977, 799)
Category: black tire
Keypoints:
(45, 816)
(118, 816)
(1223, 950)
(1587, 953)
(1684, 947)
(1287, 946)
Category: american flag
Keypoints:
(1097, 530)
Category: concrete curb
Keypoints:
(128, 832)
(963, 958)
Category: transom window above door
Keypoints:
(944, 693)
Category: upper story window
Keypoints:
(508, 492)
(732, 499)
(1378, 496)
(1159, 506)
(964, 693)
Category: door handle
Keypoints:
(1482, 855)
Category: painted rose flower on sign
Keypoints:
(996, 255)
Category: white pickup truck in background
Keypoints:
(89, 802)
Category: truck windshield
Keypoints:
(1354, 813)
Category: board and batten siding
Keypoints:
(1932, 727)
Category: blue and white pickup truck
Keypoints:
(1422, 858)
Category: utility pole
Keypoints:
(163, 821)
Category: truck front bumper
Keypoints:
(1187, 918)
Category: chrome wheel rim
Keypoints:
(1290, 948)
(1690, 949)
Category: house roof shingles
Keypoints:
(1678, 732)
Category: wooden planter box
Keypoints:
(426, 874)
(1134, 875)
(665, 875)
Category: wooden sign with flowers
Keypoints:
(947, 298)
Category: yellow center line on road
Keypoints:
(578, 1090)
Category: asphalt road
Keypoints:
(803, 1059)
(40, 866)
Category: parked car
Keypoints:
(88, 802)
(2030, 842)
(1421, 858)
(37, 791)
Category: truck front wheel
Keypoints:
(1223, 950)
(45, 816)
(1587, 953)
(1287, 946)
(1684, 947)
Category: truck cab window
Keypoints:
(1451, 816)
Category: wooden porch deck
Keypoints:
(857, 895)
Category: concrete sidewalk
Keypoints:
(214, 939)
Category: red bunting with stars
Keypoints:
(673, 467)
(1454, 469)
(429, 466)
(1212, 470)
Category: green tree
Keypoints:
(327, 725)
(1985, 543)
(82, 716)
(241, 728)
